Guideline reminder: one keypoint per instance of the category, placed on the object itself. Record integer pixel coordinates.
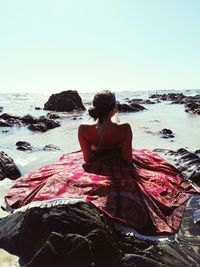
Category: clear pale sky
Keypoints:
(88, 45)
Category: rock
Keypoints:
(169, 97)
(33, 123)
(1, 109)
(23, 145)
(38, 108)
(8, 168)
(55, 232)
(51, 147)
(4, 123)
(29, 119)
(64, 235)
(187, 162)
(49, 123)
(65, 101)
(141, 101)
(38, 127)
(52, 116)
(166, 133)
(193, 107)
(134, 107)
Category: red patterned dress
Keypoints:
(148, 194)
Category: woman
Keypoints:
(133, 187)
(105, 137)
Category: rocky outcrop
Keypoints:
(42, 124)
(65, 101)
(59, 233)
(187, 162)
(133, 107)
(24, 146)
(141, 101)
(166, 133)
(178, 97)
(193, 107)
(192, 103)
(8, 169)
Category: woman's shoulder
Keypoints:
(85, 125)
(124, 125)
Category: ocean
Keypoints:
(184, 125)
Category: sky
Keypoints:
(89, 45)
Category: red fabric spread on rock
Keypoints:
(148, 194)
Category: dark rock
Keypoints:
(7, 116)
(53, 116)
(75, 235)
(169, 97)
(51, 147)
(23, 145)
(38, 127)
(38, 108)
(41, 124)
(134, 107)
(193, 107)
(65, 101)
(166, 133)
(187, 162)
(4, 123)
(5, 131)
(8, 168)
(1, 109)
(141, 101)
(28, 119)
(49, 123)
(62, 234)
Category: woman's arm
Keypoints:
(84, 144)
(127, 143)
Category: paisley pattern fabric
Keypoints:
(147, 194)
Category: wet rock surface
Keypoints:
(166, 133)
(192, 103)
(193, 107)
(142, 101)
(41, 124)
(187, 162)
(59, 234)
(8, 169)
(65, 101)
(133, 107)
(24, 146)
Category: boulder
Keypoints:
(38, 127)
(166, 133)
(133, 107)
(65, 101)
(4, 123)
(193, 107)
(24, 146)
(8, 169)
(41, 124)
(51, 147)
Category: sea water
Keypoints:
(144, 125)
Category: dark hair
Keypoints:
(103, 103)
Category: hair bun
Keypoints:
(93, 112)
